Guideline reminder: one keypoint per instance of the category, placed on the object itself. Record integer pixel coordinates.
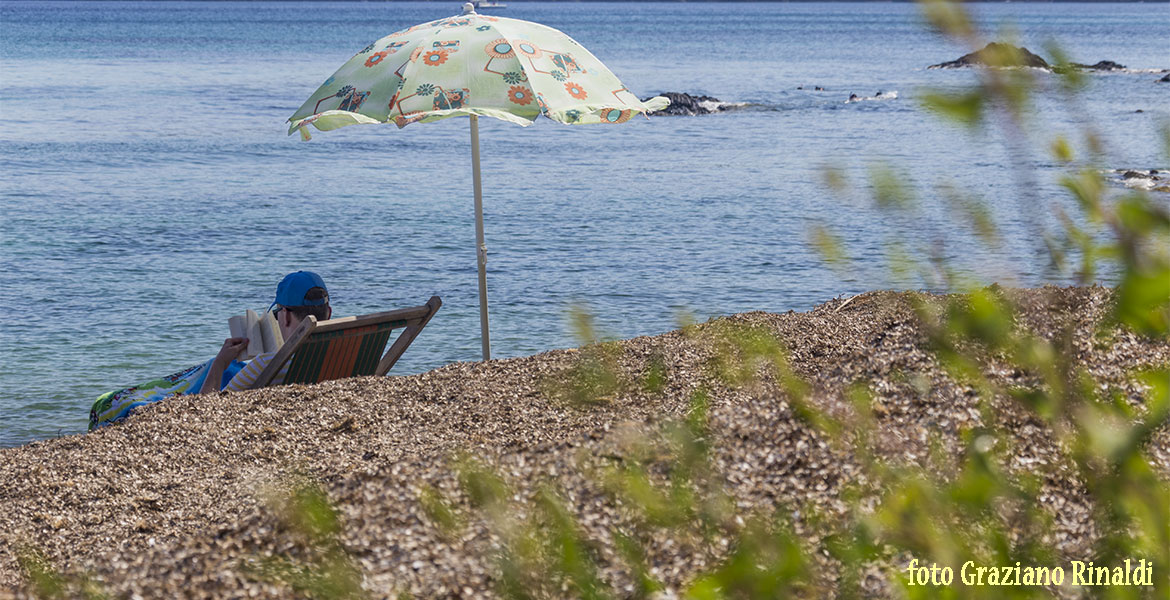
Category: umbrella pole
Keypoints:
(480, 248)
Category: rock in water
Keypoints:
(997, 54)
(1165, 78)
(685, 104)
(1104, 65)
(1150, 180)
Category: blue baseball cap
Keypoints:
(292, 289)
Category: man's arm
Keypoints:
(232, 347)
(250, 373)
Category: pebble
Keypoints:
(177, 500)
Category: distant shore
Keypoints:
(175, 501)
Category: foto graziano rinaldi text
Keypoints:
(1079, 573)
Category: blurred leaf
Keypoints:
(332, 577)
(1107, 434)
(573, 557)
(1014, 87)
(1164, 134)
(889, 190)
(828, 246)
(634, 555)
(696, 418)
(438, 510)
(583, 324)
(310, 512)
(902, 263)
(483, 486)
(965, 109)
(46, 581)
(594, 376)
(1143, 300)
(1139, 217)
(1062, 150)
(1071, 78)
(981, 316)
(1082, 241)
(656, 373)
(834, 179)
(947, 17)
(975, 212)
(1088, 188)
(767, 562)
(1094, 143)
(324, 571)
(684, 319)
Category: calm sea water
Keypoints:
(148, 189)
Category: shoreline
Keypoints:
(177, 499)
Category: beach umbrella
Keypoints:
(474, 65)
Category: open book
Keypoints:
(262, 331)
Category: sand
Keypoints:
(174, 501)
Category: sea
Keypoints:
(148, 189)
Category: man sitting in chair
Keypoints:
(299, 295)
(314, 352)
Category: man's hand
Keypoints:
(232, 348)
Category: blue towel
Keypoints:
(114, 406)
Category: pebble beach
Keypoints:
(177, 501)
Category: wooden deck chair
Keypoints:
(347, 347)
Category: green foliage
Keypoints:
(973, 212)
(667, 481)
(323, 569)
(543, 552)
(309, 512)
(965, 109)
(829, 246)
(766, 562)
(948, 18)
(327, 577)
(889, 191)
(483, 486)
(573, 559)
(439, 511)
(965, 501)
(47, 583)
(1072, 79)
(633, 554)
(654, 382)
(964, 504)
(594, 377)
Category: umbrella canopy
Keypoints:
(475, 65)
(471, 64)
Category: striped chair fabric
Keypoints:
(347, 347)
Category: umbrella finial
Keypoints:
(468, 8)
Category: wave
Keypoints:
(720, 106)
(1153, 180)
(683, 104)
(880, 95)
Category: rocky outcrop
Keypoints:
(999, 55)
(683, 104)
(1165, 78)
(1006, 55)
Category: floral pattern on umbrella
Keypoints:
(471, 64)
